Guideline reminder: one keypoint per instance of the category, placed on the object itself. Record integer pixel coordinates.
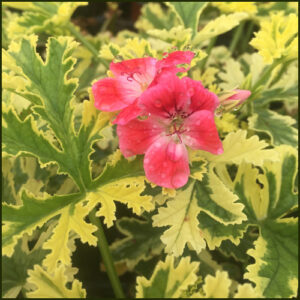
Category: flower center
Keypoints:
(176, 128)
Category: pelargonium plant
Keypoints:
(159, 162)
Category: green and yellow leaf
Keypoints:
(142, 241)
(268, 197)
(218, 26)
(277, 38)
(188, 13)
(168, 281)
(239, 148)
(181, 214)
(53, 285)
(278, 127)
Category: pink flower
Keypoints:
(180, 114)
(131, 78)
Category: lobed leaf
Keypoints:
(277, 126)
(53, 285)
(14, 269)
(142, 241)
(153, 16)
(218, 26)
(267, 198)
(182, 215)
(238, 148)
(219, 286)
(168, 281)
(48, 17)
(277, 38)
(188, 13)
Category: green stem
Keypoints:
(209, 48)
(282, 70)
(246, 39)
(106, 256)
(266, 74)
(87, 44)
(237, 34)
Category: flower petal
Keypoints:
(128, 113)
(136, 136)
(175, 58)
(113, 94)
(166, 163)
(142, 70)
(201, 132)
(202, 98)
(166, 98)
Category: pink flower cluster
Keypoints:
(160, 114)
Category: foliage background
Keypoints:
(134, 19)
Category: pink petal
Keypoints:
(166, 163)
(165, 98)
(175, 58)
(202, 98)
(136, 136)
(128, 113)
(113, 94)
(201, 132)
(141, 70)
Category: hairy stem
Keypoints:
(236, 37)
(87, 44)
(106, 256)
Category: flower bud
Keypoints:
(232, 99)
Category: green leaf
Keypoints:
(46, 17)
(34, 212)
(14, 269)
(215, 232)
(142, 241)
(53, 285)
(277, 126)
(220, 286)
(182, 214)
(278, 94)
(188, 13)
(32, 141)
(48, 83)
(153, 16)
(218, 26)
(268, 196)
(121, 180)
(276, 255)
(168, 281)
(238, 148)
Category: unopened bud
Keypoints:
(232, 99)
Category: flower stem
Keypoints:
(266, 75)
(237, 34)
(247, 37)
(209, 48)
(87, 44)
(106, 256)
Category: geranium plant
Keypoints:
(170, 148)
